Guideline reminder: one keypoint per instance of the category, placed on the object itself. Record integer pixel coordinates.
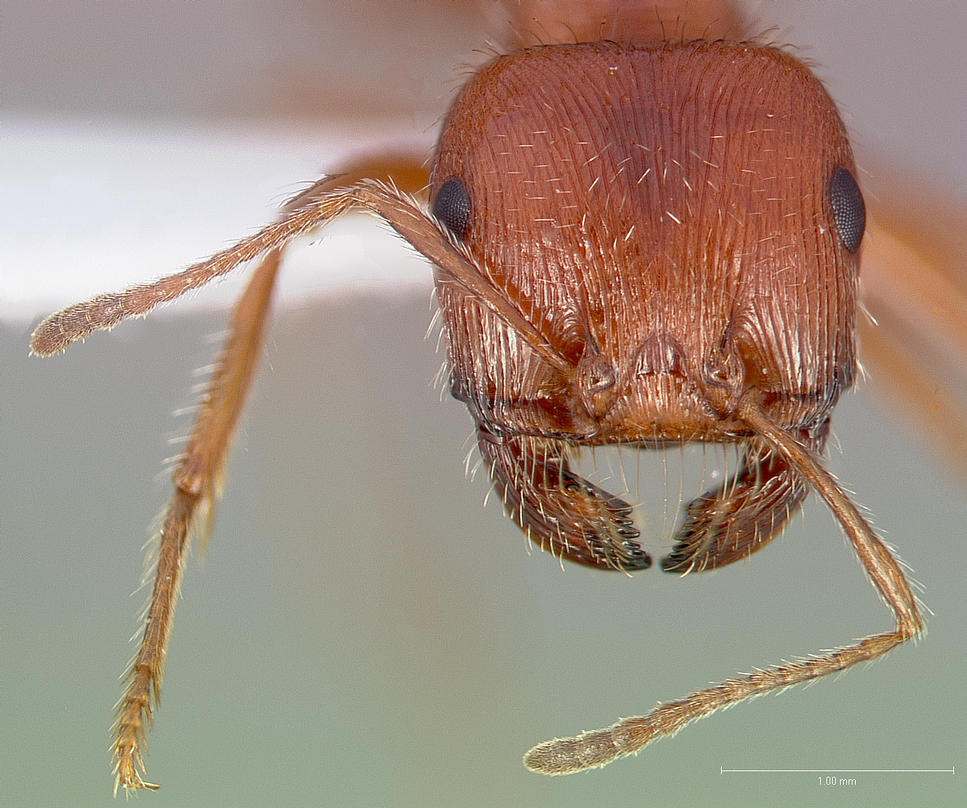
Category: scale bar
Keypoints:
(723, 770)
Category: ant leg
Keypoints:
(599, 747)
(197, 478)
(914, 286)
(197, 485)
(918, 384)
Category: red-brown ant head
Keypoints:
(679, 224)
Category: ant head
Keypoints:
(686, 216)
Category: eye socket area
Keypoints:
(452, 207)
(849, 210)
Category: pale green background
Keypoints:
(364, 633)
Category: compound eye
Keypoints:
(849, 212)
(452, 207)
